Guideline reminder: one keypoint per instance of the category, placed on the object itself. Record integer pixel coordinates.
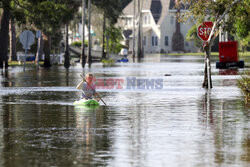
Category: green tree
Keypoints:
(112, 9)
(47, 16)
(216, 11)
(115, 37)
(192, 36)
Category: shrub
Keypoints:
(79, 43)
(108, 61)
(244, 84)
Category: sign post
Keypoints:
(38, 36)
(203, 33)
(27, 38)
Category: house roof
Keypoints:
(147, 29)
(129, 9)
(158, 8)
(166, 4)
(173, 5)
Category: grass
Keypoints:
(202, 53)
(244, 84)
(191, 54)
(244, 53)
(108, 61)
(28, 63)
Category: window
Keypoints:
(172, 20)
(166, 40)
(156, 41)
(126, 22)
(145, 19)
(145, 41)
(129, 21)
(149, 20)
(186, 43)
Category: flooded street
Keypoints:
(179, 125)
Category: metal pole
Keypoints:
(107, 47)
(38, 51)
(226, 36)
(83, 58)
(26, 47)
(25, 58)
(89, 27)
(133, 49)
(220, 35)
(208, 66)
(208, 73)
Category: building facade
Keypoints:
(162, 33)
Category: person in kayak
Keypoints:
(87, 86)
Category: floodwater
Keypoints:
(179, 125)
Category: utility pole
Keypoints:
(66, 56)
(134, 17)
(83, 57)
(107, 46)
(140, 50)
(89, 41)
(103, 36)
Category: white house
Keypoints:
(162, 33)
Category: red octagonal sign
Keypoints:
(204, 30)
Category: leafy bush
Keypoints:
(244, 85)
(79, 43)
(108, 61)
(115, 38)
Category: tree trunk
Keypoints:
(4, 36)
(133, 49)
(46, 49)
(103, 36)
(140, 50)
(89, 28)
(12, 27)
(207, 83)
(39, 49)
(207, 74)
(83, 57)
(107, 47)
(66, 55)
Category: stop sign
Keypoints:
(204, 30)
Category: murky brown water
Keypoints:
(179, 125)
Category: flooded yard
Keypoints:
(180, 124)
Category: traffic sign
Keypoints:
(204, 30)
(27, 38)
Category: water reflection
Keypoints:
(180, 125)
(80, 137)
(7, 79)
(230, 129)
(233, 71)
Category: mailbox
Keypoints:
(228, 51)
(228, 55)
